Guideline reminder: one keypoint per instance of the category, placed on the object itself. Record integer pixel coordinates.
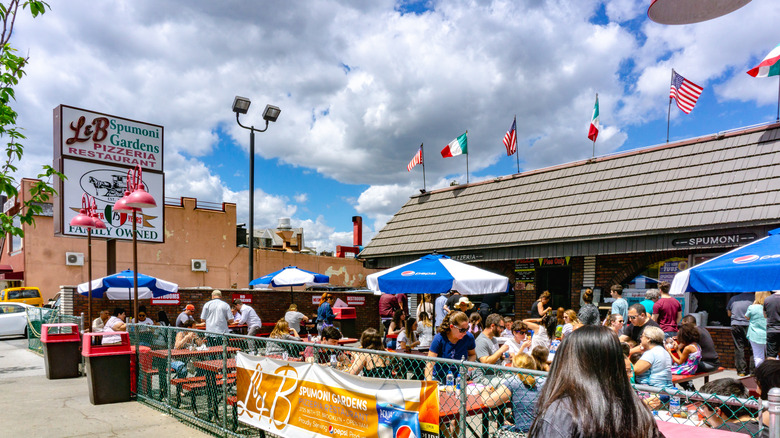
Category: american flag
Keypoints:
(685, 92)
(510, 139)
(417, 159)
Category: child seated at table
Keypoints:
(407, 339)
(424, 331)
(541, 355)
(522, 390)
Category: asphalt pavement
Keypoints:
(33, 406)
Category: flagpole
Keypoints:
(778, 100)
(594, 149)
(517, 149)
(467, 157)
(669, 110)
(422, 161)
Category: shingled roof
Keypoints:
(717, 181)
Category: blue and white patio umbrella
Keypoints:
(437, 274)
(119, 286)
(754, 267)
(289, 276)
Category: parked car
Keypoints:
(54, 302)
(13, 319)
(26, 295)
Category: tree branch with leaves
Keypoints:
(11, 71)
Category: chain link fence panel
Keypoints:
(191, 374)
(37, 316)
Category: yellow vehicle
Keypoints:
(27, 295)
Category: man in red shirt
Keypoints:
(667, 311)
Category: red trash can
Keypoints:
(61, 354)
(107, 368)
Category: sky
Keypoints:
(362, 84)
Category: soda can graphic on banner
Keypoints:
(395, 422)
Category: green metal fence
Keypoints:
(191, 374)
(37, 316)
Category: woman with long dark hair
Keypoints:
(372, 365)
(407, 339)
(544, 330)
(396, 327)
(587, 393)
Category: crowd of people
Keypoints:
(591, 362)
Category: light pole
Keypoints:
(134, 200)
(89, 219)
(270, 114)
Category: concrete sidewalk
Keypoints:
(34, 406)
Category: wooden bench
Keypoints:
(191, 384)
(680, 378)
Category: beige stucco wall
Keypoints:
(190, 233)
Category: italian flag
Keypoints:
(593, 132)
(456, 147)
(770, 66)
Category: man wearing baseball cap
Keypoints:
(189, 310)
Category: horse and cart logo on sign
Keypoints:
(114, 188)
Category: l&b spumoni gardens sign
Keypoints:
(95, 152)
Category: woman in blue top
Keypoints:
(452, 342)
(325, 315)
(654, 368)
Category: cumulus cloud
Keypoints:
(362, 84)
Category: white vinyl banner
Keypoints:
(305, 400)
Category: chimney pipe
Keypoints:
(357, 230)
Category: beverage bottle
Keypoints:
(674, 406)
(507, 359)
(333, 361)
(450, 381)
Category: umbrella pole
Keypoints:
(135, 269)
(291, 295)
(433, 321)
(89, 279)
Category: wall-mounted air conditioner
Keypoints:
(74, 259)
(199, 265)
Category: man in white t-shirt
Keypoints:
(248, 316)
(216, 313)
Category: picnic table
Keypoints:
(240, 329)
(680, 378)
(183, 354)
(673, 430)
(449, 409)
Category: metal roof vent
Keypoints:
(284, 224)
